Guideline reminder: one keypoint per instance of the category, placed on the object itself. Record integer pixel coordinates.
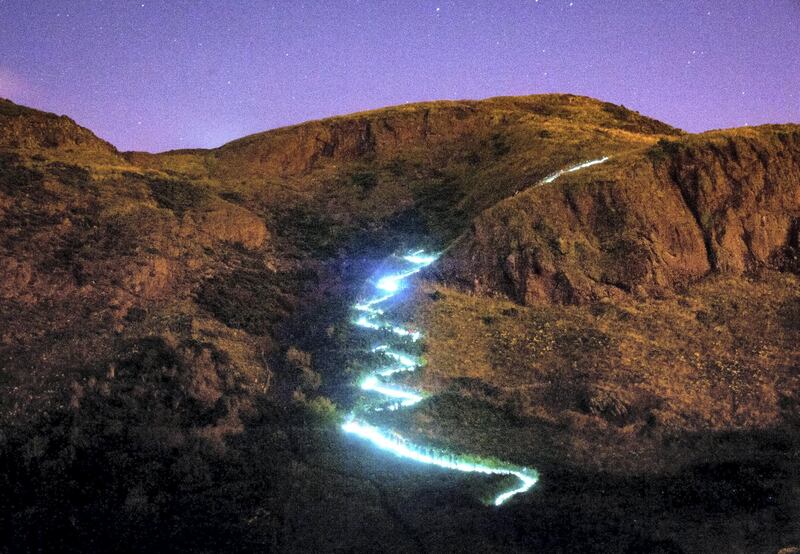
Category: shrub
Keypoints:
(396, 167)
(178, 196)
(366, 180)
(253, 299)
(232, 196)
(474, 159)
(500, 145)
(664, 149)
(300, 361)
(321, 408)
(71, 175)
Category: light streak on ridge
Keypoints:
(553, 176)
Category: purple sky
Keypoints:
(153, 75)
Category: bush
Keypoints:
(396, 167)
(251, 300)
(71, 175)
(664, 149)
(300, 361)
(321, 408)
(178, 196)
(366, 180)
(500, 145)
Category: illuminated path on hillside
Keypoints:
(553, 176)
(371, 315)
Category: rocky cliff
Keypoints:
(646, 222)
(421, 130)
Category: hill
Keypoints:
(174, 331)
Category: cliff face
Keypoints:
(646, 222)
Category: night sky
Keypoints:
(152, 75)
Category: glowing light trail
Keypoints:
(364, 306)
(367, 323)
(553, 176)
(374, 382)
(419, 258)
(391, 283)
(395, 444)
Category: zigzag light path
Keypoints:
(370, 317)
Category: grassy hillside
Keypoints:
(175, 350)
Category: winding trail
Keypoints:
(385, 395)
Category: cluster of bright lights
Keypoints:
(391, 283)
(406, 362)
(367, 306)
(394, 443)
(374, 382)
(366, 323)
(413, 335)
(403, 359)
(368, 309)
(553, 176)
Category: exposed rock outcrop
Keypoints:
(646, 223)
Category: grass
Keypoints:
(647, 363)
(178, 196)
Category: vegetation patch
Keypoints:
(71, 175)
(664, 149)
(365, 180)
(252, 299)
(178, 195)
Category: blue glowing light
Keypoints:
(390, 283)
(413, 335)
(375, 382)
(364, 322)
(363, 306)
(420, 258)
(403, 359)
(394, 443)
(408, 398)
